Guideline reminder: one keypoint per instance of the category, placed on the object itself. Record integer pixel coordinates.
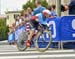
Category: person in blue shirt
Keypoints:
(52, 9)
(39, 8)
(38, 18)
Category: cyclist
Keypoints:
(39, 18)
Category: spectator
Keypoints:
(39, 8)
(21, 20)
(72, 7)
(30, 13)
(11, 29)
(52, 10)
(17, 23)
(64, 8)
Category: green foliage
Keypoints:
(44, 3)
(32, 4)
(3, 29)
(29, 4)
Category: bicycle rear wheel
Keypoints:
(43, 40)
(21, 41)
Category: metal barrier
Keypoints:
(63, 29)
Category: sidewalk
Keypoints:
(4, 42)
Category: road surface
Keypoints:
(11, 52)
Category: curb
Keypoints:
(4, 42)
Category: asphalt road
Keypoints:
(11, 52)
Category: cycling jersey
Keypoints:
(41, 19)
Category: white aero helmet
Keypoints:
(46, 11)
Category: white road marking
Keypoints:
(39, 56)
(27, 52)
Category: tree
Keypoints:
(44, 3)
(29, 4)
(3, 29)
(32, 4)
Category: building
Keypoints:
(11, 15)
(55, 1)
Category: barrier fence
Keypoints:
(63, 29)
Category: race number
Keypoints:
(52, 23)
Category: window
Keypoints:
(7, 17)
(16, 15)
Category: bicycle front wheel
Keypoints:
(43, 40)
(21, 41)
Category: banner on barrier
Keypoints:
(63, 28)
(67, 28)
(55, 27)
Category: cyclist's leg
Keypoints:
(44, 25)
(31, 33)
(34, 26)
